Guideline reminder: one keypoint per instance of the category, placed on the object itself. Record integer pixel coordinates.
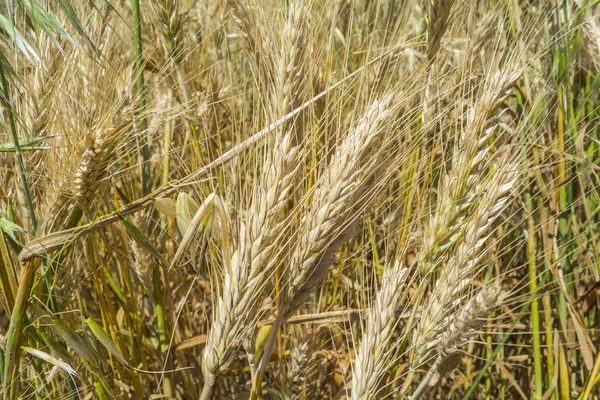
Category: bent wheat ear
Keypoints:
(471, 317)
(372, 356)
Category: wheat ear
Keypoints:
(252, 261)
(92, 165)
(295, 375)
(371, 357)
(461, 268)
(170, 18)
(327, 223)
(459, 185)
(471, 317)
(439, 11)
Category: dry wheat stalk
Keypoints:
(250, 264)
(444, 228)
(250, 17)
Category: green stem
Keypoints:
(535, 317)
(14, 330)
(139, 67)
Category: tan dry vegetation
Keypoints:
(299, 199)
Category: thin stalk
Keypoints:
(139, 68)
(13, 335)
(549, 340)
(565, 385)
(535, 316)
(162, 328)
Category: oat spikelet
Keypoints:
(171, 20)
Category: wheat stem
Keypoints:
(139, 68)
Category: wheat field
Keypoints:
(299, 199)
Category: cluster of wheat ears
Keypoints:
(299, 199)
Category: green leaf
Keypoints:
(19, 40)
(78, 344)
(102, 392)
(70, 13)
(25, 145)
(10, 228)
(135, 233)
(49, 25)
(55, 345)
(105, 339)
